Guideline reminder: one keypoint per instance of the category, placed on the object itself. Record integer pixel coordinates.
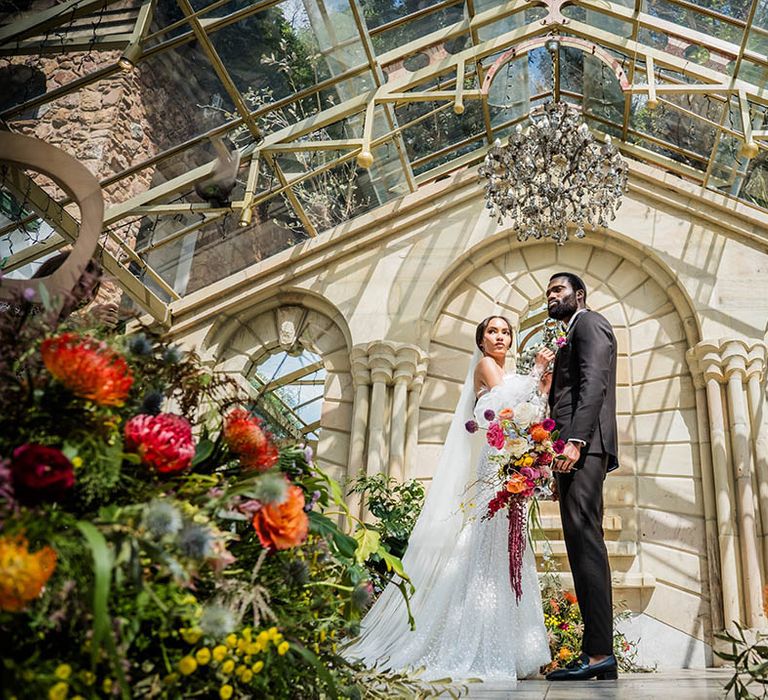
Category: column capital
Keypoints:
(722, 359)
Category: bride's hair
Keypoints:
(480, 330)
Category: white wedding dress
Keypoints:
(468, 624)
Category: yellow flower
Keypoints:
(106, 685)
(564, 654)
(78, 697)
(247, 634)
(219, 653)
(63, 671)
(188, 599)
(87, 677)
(256, 668)
(253, 648)
(322, 635)
(225, 692)
(77, 462)
(239, 670)
(272, 631)
(277, 639)
(263, 639)
(231, 640)
(283, 648)
(58, 691)
(228, 666)
(191, 635)
(171, 678)
(247, 676)
(203, 656)
(187, 665)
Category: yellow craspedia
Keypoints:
(246, 634)
(272, 631)
(239, 670)
(256, 668)
(225, 692)
(253, 648)
(277, 639)
(106, 685)
(263, 639)
(77, 462)
(191, 635)
(283, 648)
(58, 691)
(187, 665)
(247, 676)
(171, 678)
(219, 653)
(203, 656)
(87, 677)
(231, 640)
(63, 671)
(228, 666)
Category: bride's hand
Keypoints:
(546, 383)
(543, 358)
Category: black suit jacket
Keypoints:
(582, 399)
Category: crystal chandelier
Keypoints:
(554, 175)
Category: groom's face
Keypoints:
(562, 302)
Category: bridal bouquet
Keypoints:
(524, 452)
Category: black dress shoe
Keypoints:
(582, 670)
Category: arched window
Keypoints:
(289, 387)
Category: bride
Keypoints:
(468, 624)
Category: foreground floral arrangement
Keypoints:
(155, 541)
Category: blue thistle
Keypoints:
(217, 621)
(195, 541)
(139, 344)
(162, 518)
(152, 403)
(172, 355)
(271, 488)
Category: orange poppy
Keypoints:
(22, 574)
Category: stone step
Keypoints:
(551, 523)
(616, 549)
(620, 581)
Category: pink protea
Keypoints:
(164, 442)
(495, 436)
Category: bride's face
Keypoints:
(497, 339)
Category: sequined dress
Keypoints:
(470, 625)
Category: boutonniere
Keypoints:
(561, 339)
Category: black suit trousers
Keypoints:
(581, 512)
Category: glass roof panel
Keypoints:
(293, 83)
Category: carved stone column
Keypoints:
(708, 491)
(412, 419)
(756, 399)
(734, 355)
(361, 377)
(732, 373)
(381, 361)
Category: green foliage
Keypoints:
(750, 663)
(396, 507)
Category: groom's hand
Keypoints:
(570, 455)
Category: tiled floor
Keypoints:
(696, 684)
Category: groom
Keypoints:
(582, 401)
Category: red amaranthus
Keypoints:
(88, 368)
(249, 441)
(164, 442)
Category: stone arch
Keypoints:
(655, 506)
(237, 343)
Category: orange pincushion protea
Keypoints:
(246, 438)
(22, 574)
(283, 525)
(88, 368)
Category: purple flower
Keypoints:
(489, 414)
(548, 424)
(561, 341)
(471, 426)
(312, 501)
(28, 294)
(558, 446)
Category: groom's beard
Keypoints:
(563, 309)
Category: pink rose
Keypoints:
(548, 424)
(558, 446)
(544, 458)
(495, 436)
